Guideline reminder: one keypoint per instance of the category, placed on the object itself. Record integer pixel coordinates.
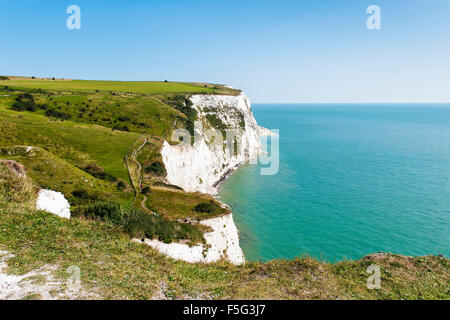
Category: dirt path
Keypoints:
(133, 157)
(138, 187)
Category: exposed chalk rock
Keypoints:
(17, 287)
(201, 166)
(221, 243)
(53, 202)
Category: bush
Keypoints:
(156, 168)
(146, 190)
(98, 172)
(121, 185)
(24, 106)
(57, 114)
(4, 78)
(24, 102)
(121, 128)
(25, 97)
(216, 122)
(103, 211)
(140, 224)
(207, 207)
(83, 195)
(184, 105)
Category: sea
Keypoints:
(352, 179)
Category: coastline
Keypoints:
(204, 167)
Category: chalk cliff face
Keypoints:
(221, 243)
(199, 167)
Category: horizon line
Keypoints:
(351, 102)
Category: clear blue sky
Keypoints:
(276, 51)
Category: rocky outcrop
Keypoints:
(14, 167)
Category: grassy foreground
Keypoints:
(100, 146)
(114, 267)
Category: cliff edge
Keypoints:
(201, 166)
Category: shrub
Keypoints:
(207, 207)
(216, 122)
(83, 195)
(146, 190)
(4, 78)
(58, 114)
(184, 105)
(24, 102)
(156, 168)
(121, 185)
(98, 172)
(103, 211)
(140, 224)
(25, 97)
(24, 106)
(121, 128)
(142, 124)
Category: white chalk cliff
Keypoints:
(221, 243)
(199, 167)
(203, 165)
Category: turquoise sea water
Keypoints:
(353, 180)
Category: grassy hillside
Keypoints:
(77, 143)
(113, 267)
(144, 87)
(50, 172)
(99, 144)
(98, 147)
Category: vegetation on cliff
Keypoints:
(114, 267)
(99, 144)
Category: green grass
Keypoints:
(173, 204)
(111, 264)
(74, 142)
(116, 268)
(144, 87)
(49, 172)
(138, 113)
